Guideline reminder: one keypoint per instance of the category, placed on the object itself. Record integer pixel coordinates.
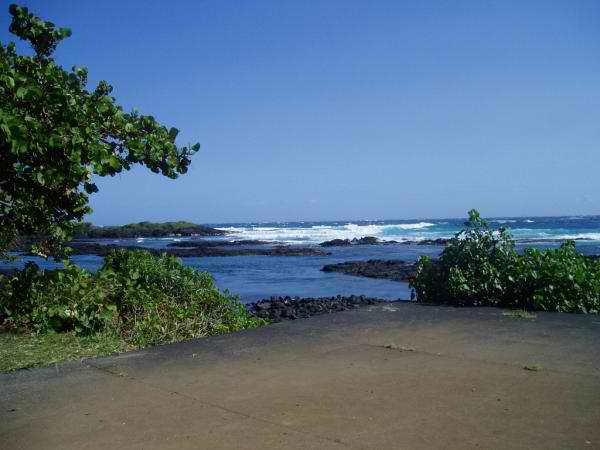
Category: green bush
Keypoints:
(556, 280)
(58, 300)
(160, 300)
(473, 268)
(480, 266)
(145, 299)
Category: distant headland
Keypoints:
(145, 229)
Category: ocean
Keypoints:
(258, 277)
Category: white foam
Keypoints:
(415, 231)
(414, 226)
(586, 236)
(320, 233)
(545, 235)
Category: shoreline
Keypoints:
(195, 246)
(277, 309)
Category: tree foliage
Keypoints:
(480, 266)
(55, 135)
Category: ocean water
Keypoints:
(257, 277)
(522, 228)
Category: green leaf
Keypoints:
(21, 92)
(56, 135)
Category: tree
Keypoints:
(55, 135)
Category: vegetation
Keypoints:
(160, 300)
(144, 299)
(55, 135)
(480, 266)
(145, 229)
(25, 350)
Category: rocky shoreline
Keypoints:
(395, 270)
(371, 240)
(206, 243)
(146, 230)
(277, 309)
(210, 250)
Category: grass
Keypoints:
(22, 351)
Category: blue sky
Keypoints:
(332, 110)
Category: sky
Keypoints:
(340, 110)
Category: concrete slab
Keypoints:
(399, 376)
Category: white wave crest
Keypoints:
(545, 235)
(580, 236)
(414, 226)
(321, 233)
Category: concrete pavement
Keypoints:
(397, 376)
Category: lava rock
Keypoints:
(93, 248)
(336, 243)
(367, 240)
(206, 243)
(438, 241)
(277, 309)
(395, 270)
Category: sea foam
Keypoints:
(320, 233)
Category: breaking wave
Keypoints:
(320, 233)
(522, 229)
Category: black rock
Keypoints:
(336, 243)
(279, 309)
(263, 305)
(206, 243)
(439, 241)
(395, 270)
(93, 248)
(367, 240)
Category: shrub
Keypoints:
(556, 280)
(58, 300)
(473, 268)
(145, 299)
(160, 300)
(480, 266)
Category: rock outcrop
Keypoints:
(277, 309)
(395, 270)
(93, 248)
